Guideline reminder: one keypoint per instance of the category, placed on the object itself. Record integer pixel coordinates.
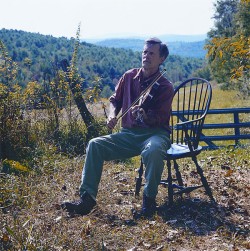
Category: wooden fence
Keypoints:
(237, 125)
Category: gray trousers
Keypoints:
(151, 144)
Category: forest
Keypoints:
(38, 55)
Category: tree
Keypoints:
(228, 51)
(106, 92)
(224, 18)
(74, 82)
(14, 141)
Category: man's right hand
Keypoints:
(111, 122)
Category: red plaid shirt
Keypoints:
(129, 87)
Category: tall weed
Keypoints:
(16, 138)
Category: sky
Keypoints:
(108, 18)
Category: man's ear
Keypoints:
(162, 59)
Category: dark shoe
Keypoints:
(148, 208)
(82, 206)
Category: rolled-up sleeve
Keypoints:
(117, 98)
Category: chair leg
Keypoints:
(139, 179)
(170, 186)
(178, 174)
(203, 179)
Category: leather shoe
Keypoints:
(82, 206)
(149, 207)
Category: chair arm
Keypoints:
(191, 121)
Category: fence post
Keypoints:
(236, 128)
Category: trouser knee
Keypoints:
(152, 155)
(93, 144)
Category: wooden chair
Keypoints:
(190, 105)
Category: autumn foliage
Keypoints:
(229, 43)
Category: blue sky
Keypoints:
(108, 18)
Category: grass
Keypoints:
(227, 99)
(31, 218)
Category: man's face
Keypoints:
(151, 58)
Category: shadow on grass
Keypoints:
(200, 217)
(196, 216)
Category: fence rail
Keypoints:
(236, 125)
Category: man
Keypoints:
(145, 131)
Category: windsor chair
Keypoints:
(191, 102)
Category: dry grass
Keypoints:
(227, 99)
(31, 218)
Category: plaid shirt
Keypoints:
(129, 87)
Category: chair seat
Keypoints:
(181, 150)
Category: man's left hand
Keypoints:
(137, 109)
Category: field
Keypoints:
(31, 218)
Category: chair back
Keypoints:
(189, 108)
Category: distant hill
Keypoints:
(38, 56)
(165, 38)
(181, 48)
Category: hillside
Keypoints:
(180, 48)
(38, 56)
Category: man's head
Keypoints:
(164, 52)
(154, 54)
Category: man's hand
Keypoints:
(136, 110)
(111, 122)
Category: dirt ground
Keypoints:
(31, 218)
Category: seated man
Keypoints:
(145, 131)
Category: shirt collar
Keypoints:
(139, 75)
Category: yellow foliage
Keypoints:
(14, 165)
(3, 90)
(234, 50)
(220, 53)
(32, 88)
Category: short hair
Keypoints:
(164, 52)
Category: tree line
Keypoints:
(181, 48)
(37, 55)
